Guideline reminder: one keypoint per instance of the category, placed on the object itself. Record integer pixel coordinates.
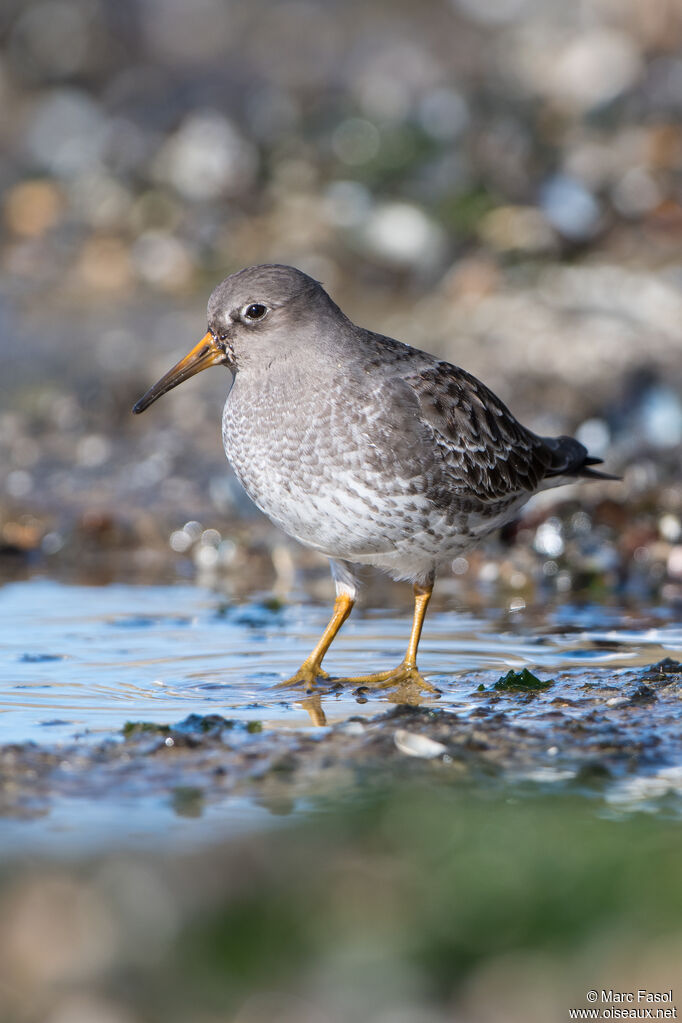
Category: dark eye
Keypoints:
(255, 311)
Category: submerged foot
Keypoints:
(405, 678)
(306, 677)
(406, 681)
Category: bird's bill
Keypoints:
(206, 353)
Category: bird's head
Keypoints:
(252, 315)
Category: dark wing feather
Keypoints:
(571, 459)
(487, 451)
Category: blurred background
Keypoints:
(495, 181)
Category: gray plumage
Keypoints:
(363, 448)
(368, 450)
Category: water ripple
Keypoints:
(64, 666)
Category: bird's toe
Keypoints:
(306, 677)
(405, 678)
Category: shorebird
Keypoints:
(361, 447)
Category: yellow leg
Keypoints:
(311, 669)
(406, 675)
(422, 596)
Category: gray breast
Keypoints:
(321, 460)
(350, 468)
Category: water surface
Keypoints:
(78, 662)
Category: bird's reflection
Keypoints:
(313, 704)
(408, 694)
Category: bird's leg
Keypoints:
(406, 676)
(311, 669)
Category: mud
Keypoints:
(592, 731)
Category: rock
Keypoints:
(412, 744)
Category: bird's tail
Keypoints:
(570, 458)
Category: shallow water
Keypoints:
(78, 662)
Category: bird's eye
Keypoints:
(254, 311)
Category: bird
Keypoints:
(361, 447)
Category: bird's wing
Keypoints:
(486, 450)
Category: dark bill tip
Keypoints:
(206, 353)
(142, 404)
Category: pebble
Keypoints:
(412, 744)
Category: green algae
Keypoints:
(133, 729)
(522, 681)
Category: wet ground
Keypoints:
(151, 715)
(179, 839)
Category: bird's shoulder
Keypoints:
(484, 447)
(482, 440)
